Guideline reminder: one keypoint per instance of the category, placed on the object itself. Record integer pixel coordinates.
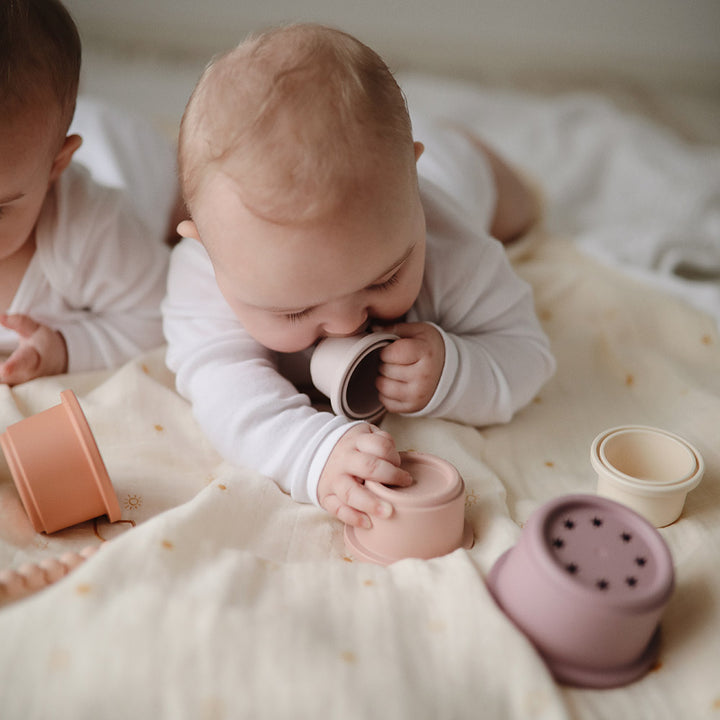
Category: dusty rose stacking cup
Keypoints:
(428, 518)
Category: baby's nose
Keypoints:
(347, 321)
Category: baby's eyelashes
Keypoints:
(387, 284)
(295, 317)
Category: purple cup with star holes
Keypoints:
(587, 584)
(345, 368)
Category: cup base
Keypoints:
(578, 675)
(358, 550)
(607, 677)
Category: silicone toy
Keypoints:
(587, 583)
(648, 469)
(31, 577)
(345, 368)
(57, 468)
(428, 518)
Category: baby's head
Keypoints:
(39, 75)
(297, 164)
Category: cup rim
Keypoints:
(92, 453)
(455, 485)
(638, 485)
(358, 347)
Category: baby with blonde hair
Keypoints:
(315, 213)
(242, 114)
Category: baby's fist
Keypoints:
(363, 453)
(410, 368)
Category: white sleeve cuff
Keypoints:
(320, 459)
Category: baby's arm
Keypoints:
(496, 354)
(109, 270)
(253, 415)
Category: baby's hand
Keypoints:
(411, 367)
(41, 351)
(363, 453)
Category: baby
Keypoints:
(316, 214)
(81, 277)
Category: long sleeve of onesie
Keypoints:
(249, 411)
(496, 355)
(496, 359)
(104, 272)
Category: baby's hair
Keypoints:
(297, 117)
(40, 56)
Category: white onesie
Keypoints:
(497, 356)
(98, 272)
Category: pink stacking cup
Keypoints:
(428, 517)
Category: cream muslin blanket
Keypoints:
(216, 596)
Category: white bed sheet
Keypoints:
(216, 596)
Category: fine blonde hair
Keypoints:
(297, 117)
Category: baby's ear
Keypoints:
(64, 156)
(187, 228)
(419, 150)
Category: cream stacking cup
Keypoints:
(648, 469)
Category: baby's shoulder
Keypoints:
(452, 237)
(78, 211)
(83, 196)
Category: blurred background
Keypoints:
(623, 46)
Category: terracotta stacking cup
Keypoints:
(57, 467)
(345, 369)
(587, 583)
(647, 469)
(428, 517)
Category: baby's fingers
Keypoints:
(354, 504)
(21, 366)
(379, 443)
(367, 466)
(23, 325)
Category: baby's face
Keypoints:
(25, 165)
(291, 285)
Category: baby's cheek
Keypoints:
(393, 310)
(282, 336)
